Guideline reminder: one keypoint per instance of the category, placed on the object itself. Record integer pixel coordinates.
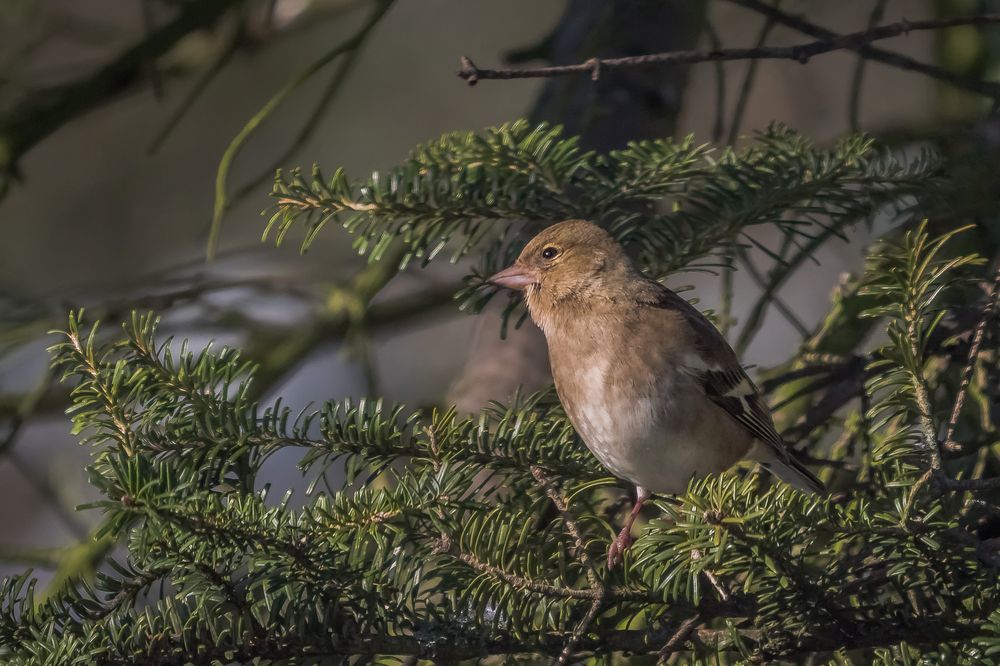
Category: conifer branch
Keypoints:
(597, 585)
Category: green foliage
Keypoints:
(432, 535)
(909, 286)
(671, 202)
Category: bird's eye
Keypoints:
(549, 252)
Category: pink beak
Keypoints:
(514, 277)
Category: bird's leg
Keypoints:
(624, 540)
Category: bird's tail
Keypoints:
(789, 470)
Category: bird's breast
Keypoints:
(645, 425)
(615, 414)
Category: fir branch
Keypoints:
(466, 190)
(597, 585)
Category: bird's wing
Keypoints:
(709, 359)
(714, 365)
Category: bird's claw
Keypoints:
(616, 552)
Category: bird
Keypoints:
(649, 384)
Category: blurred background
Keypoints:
(114, 117)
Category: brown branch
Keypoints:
(720, 589)
(856, 41)
(899, 61)
(973, 485)
(977, 341)
(597, 585)
(707, 608)
(683, 631)
(928, 429)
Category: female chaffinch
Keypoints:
(651, 386)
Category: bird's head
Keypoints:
(568, 259)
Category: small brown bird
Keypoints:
(651, 386)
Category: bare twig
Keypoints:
(199, 86)
(769, 296)
(977, 341)
(712, 578)
(330, 94)
(683, 631)
(232, 150)
(718, 126)
(973, 485)
(155, 75)
(747, 85)
(799, 52)
(987, 88)
(44, 488)
(854, 103)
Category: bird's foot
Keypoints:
(616, 552)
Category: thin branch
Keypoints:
(683, 631)
(232, 150)
(209, 75)
(986, 88)
(854, 103)
(712, 578)
(979, 333)
(720, 85)
(929, 430)
(45, 558)
(596, 583)
(155, 75)
(747, 85)
(973, 485)
(769, 296)
(330, 94)
(41, 485)
(799, 52)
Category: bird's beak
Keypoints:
(515, 277)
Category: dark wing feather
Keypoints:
(733, 390)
